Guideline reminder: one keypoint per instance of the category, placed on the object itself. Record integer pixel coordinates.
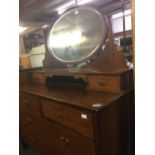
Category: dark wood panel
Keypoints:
(79, 98)
(24, 77)
(114, 133)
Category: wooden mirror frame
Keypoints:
(109, 59)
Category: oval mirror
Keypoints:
(77, 35)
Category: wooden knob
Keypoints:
(62, 138)
(66, 141)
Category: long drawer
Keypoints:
(60, 140)
(74, 119)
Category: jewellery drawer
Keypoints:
(72, 118)
(29, 102)
(38, 78)
(105, 83)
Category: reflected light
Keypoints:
(64, 7)
(81, 2)
(22, 29)
(66, 39)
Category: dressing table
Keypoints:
(79, 103)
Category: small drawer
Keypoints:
(105, 83)
(29, 102)
(76, 120)
(38, 78)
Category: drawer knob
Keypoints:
(102, 83)
(64, 140)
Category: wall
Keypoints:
(21, 45)
(36, 54)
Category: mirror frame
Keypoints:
(95, 50)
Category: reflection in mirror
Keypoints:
(77, 35)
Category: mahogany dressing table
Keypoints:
(80, 102)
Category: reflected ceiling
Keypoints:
(45, 11)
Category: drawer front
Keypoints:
(35, 141)
(60, 140)
(71, 143)
(33, 132)
(76, 120)
(38, 78)
(29, 102)
(105, 83)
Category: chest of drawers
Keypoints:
(65, 126)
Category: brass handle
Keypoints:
(102, 83)
(64, 140)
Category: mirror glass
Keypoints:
(77, 35)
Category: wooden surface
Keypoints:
(79, 98)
